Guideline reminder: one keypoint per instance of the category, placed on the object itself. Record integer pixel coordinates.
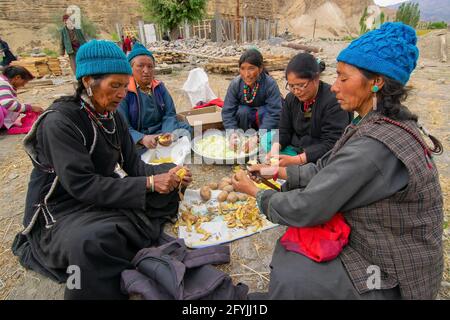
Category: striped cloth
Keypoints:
(8, 98)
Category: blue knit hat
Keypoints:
(390, 51)
(139, 50)
(101, 57)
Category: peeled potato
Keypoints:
(232, 197)
(205, 193)
(164, 139)
(213, 185)
(181, 173)
(222, 196)
(223, 184)
(228, 188)
(242, 197)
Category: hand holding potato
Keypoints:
(242, 183)
(165, 139)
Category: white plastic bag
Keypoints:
(177, 151)
(197, 87)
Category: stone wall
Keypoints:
(249, 8)
(38, 13)
(25, 24)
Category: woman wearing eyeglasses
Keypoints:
(311, 119)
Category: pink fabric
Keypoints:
(3, 113)
(27, 123)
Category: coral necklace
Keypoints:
(252, 92)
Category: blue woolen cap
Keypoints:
(390, 51)
(139, 50)
(101, 57)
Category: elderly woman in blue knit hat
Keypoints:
(148, 107)
(379, 184)
(92, 203)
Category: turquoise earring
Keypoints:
(375, 89)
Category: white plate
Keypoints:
(241, 158)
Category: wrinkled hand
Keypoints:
(37, 109)
(187, 179)
(150, 141)
(263, 170)
(286, 161)
(274, 152)
(243, 183)
(166, 182)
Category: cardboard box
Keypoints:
(211, 117)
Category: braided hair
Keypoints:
(389, 104)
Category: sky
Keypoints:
(387, 2)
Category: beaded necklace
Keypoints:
(94, 118)
(252, 92)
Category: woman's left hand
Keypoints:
(242, 183)
(286, 161)
(187, 180)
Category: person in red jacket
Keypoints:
(126, 45)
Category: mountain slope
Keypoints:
(432, 10)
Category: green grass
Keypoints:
(50, 53)
(421, 33)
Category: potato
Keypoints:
(213, 185)
(226, 179)
(222, 185)
(205, 193)
(228, 188)
(232, 197)
(165, 140)
(242, 197)
(181, 173)
(222, 196)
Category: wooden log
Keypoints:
(298, 46)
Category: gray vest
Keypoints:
(401, 235)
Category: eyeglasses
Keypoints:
(293, 87)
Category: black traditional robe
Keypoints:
(78, 210)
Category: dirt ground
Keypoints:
(251, 256)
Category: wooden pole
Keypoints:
(237, 22)
(186, 30)
(244, 34)
(314, 31)
(257, 29)
(218, 28)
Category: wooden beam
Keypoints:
(302, 47)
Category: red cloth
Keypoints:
(126, 45)
(320, 243)
(216, 102)
(27, 123)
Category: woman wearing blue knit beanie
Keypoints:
(92, 203)
(148, 107)
(380, 175)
